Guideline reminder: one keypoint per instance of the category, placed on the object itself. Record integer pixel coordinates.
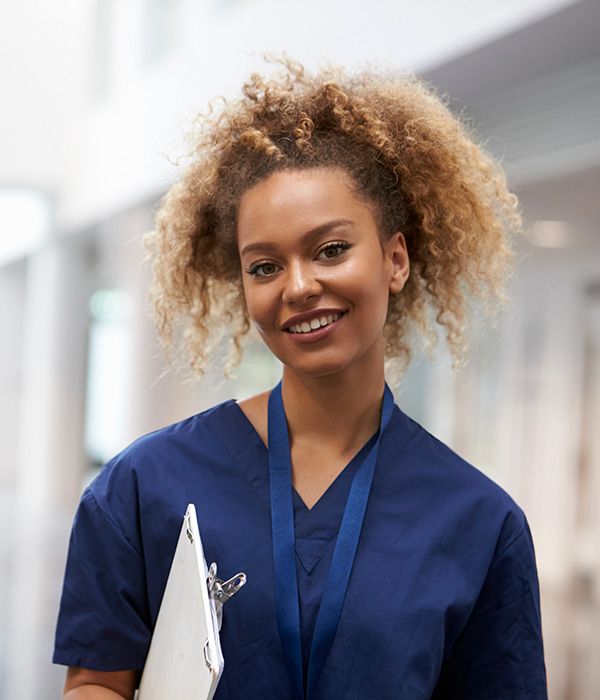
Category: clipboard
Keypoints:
(185, 658)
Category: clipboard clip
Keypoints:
(221, 591)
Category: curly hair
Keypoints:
(406, 153)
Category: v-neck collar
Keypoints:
(315, 527)
(344, 474)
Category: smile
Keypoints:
(315, 323)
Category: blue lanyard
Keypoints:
(284, 557)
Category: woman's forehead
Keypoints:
(300, 200)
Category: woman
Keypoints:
(334, 213)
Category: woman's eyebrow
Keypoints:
(304, 238)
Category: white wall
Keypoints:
(37, 91)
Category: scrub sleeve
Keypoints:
(103, 622)
(499, 653)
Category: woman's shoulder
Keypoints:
(184, 430)
(158, 455)
(207, 423)
(467, 492)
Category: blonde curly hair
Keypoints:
(406, 153)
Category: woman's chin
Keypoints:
(315, 368)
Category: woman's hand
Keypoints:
(88, 684)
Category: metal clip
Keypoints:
(207, 656)
(221, 591)
(188, 527)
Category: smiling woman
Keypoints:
(334, 213)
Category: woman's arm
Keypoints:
(500, 652)
(87, 684)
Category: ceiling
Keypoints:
(552, 44)
(534, 97)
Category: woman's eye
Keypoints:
(328, 252)
(333, 250)
(263, 269)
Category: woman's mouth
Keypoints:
(309, 331)
(315, 323)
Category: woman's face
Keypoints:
(315, 276)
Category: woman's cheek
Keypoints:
(262, 311)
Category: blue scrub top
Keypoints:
(443, 600)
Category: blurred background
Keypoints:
(96, 95)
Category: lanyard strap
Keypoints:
(284, 546)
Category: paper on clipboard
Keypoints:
(185, 658)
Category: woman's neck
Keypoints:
(340, 410)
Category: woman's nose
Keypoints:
(300, 283)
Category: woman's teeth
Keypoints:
(315, 323)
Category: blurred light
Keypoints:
(108, 397)
(25, 216)
(110, 305)
(551, 234)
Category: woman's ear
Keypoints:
(400, 264)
